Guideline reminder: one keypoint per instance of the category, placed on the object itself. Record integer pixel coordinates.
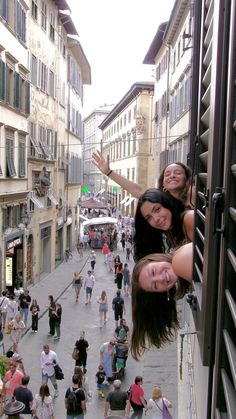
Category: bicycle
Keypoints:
(68, 255)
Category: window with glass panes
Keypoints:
(10, 166)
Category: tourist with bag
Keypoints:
(75, 403)
(158, 405)
(137, 400)
(82, 346)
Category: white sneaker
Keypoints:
(56, 393)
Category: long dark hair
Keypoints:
(148, 239)
(154, 314)
(183, 194)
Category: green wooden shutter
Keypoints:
(21, 159)
(11, 171)
(27, 98)
(2, 80)
(4, 219)
(4, 9)
(16, 90)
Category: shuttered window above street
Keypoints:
(22, 169)
(11, 171)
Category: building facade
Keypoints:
(43, 69)
(127, 138)
(92, 177)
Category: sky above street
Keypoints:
(115, 36)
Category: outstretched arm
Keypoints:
(104, 166)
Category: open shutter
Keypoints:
(21, 159)
(11, 171)
(2, 80)
(16, 90)
(27, 98)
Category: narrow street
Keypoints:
(157, 367)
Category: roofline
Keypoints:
(175, 17)
(155, 44)
(75, 46)
(135, 89)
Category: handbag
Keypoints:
(75, 354)
(165, 411)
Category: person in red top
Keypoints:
(11, 380)
(105, 251)
(137, 400)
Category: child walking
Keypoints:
(100, 378)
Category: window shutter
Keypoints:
(27, 98)
(4, 9)
(16, 90)
(2, 80)
(21, 159)
(10, 157)
(4, 219)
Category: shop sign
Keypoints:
(45, 233)
(14, 243)
(9, 281)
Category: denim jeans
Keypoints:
(24, 315)
(80, 416)
(52, 378)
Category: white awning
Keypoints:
(36, 202)
(100, 192)
(129, 201)
(125, 199)
(53, 199)
(83, 217)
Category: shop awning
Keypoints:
(52, 198)
(36, 202)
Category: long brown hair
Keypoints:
(183, 194)
(154, 314)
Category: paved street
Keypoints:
(157, 367)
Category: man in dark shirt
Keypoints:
(80, 405)
(24, 395)
(118, 306)
(24, 302)
(82, 345)
(116, 401)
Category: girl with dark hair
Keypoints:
(175, 179)
(157, 213)
(119, 276)
(156, 285)
(52, 315)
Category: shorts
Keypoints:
(126, 281)
(118, 316)
(102, 385)
(89, 290)
(120, 363)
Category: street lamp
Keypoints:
(25, 218)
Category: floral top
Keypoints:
(43, 410)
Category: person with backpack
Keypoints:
(75, 403)
(118, 307)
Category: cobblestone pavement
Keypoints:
(156, 366)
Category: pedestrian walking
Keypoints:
(48, 359)
(89, 282)
(105, 251)
(34, 308)
(123, 241)
(126, 279)
(100, 378)
(16, 327)
(11, 380)
(92, 257)
(117, 261)
(119, 276)
(137, 400)
(52, 315)
(103, 308)
(75, 403)
(58, 315)
(157, 404)
(83, 346)
(116, 401)
(24, 395)
(84, 381)
(4, 301)
(85, 240)
(118, 307)
(110, 260)
(107, 353)
(12, 310)
(42, 407)
(128, 247)
(80, 248)
(77, 284)
(24, 303)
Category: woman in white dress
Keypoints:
(12, 310)
(16, 326)
(156, 404)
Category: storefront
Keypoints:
(59, 241)
(14, 261)
(45, 251)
